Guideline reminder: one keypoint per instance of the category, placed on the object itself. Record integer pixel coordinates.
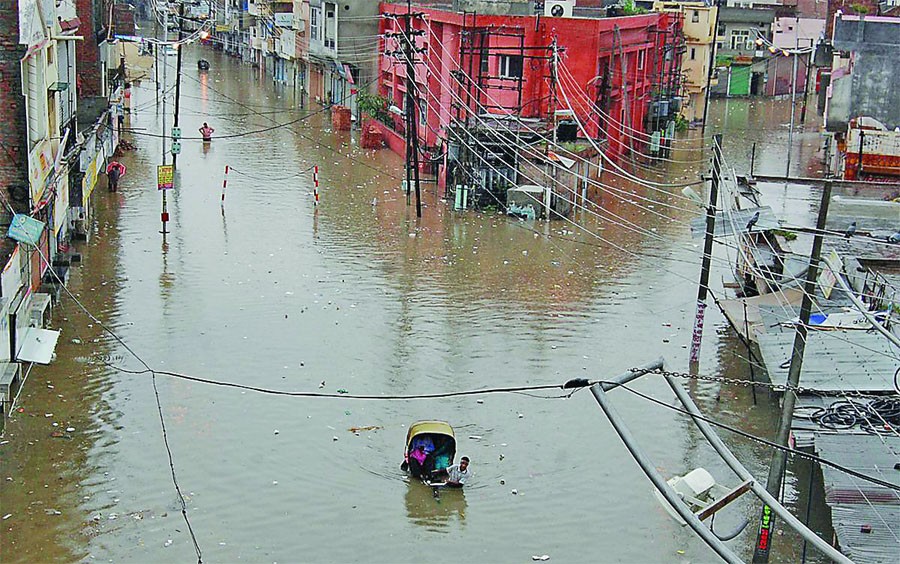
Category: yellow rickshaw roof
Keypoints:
(433, 427)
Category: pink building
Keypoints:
(792, 33)
(471, 66)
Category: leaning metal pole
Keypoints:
(771, 501)
(776, 469)
(599, 391)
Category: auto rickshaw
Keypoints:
(439, 441)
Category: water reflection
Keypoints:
(435, 511)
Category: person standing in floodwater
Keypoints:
(114, 172)
(206, 131)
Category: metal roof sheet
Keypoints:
(865, 516)
(834, 361)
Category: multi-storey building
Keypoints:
(488, 85)
(343, 43)
(698, 26)
(741, 62)
(861, 110)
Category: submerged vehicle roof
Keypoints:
(431, 427)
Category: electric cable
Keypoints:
(766, 442)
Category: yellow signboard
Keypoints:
(165, 177)
(40, 163)
(90, 179)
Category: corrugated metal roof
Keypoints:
(834, 361)
(865, 516)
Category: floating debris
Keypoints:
(366, 428)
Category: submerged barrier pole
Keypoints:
(697, 335)
(316, 184)
(779, 457)
(224, 183)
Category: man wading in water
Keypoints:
(206, 131)
(457, 474)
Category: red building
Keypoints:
(609, 70)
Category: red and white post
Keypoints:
(316, 183)
(224, 183)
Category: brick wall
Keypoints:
(13, 150)
(87, 53)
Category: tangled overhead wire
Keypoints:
(872, 416)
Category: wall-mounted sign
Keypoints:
(25, 229)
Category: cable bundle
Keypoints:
(872, 416)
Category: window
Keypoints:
(314, 17)
(329, 35)
(510, 66)
(484, 60)
(693, 53)
(642, 56)
(740, 38)
(695, 16)
(423, 112)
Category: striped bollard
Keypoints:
(316, 183)
(224, 183)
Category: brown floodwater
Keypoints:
(356, 294)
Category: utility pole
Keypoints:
(554, 76)
(707, 248)
(164, 216)
(787, 171)
(808, 65)
(156, 52)
(779, 457)
(176, 144)
(712, 64)
(412, 104)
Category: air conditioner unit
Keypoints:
(558, 8)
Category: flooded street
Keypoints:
(268, 290)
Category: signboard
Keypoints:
(31, 25)
(40, 163)
(25, 229)
(286, 43)
(285, 19)
(165, 177)
(830, 270)
(60, 206)
(90, 177)
(11, 277)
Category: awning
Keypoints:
(38, 346)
